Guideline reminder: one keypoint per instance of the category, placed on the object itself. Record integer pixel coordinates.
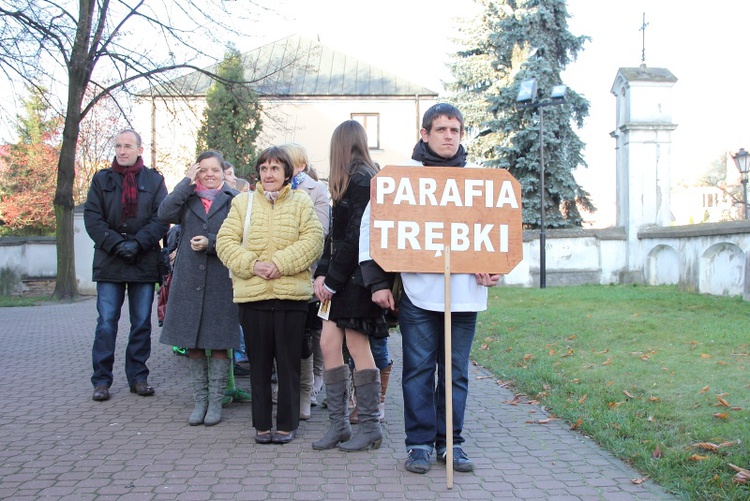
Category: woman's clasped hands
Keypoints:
(267, 271)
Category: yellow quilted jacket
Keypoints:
(287, 233)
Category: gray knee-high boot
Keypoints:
(218, 372)
(337, 389)
(368, 433)
(199, 380)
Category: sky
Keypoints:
(704, 45)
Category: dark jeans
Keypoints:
(109, 300)
(423, 336)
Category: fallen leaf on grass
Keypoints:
(721, 415)
(722, 402)
(627, 394)
(582, 399)
(657, 453)
(721, 362)
(569, 353)
(551, 352)
(704, 389)
(571, 338)
(654, 399)
(606, 350)
(705, 355)
(613, 405)
(639, 481)
(608, 361)
(697, 457)
(728, 443)
(484, 346)
(742, 475)
(575, 425)
(707, 446)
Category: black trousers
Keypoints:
(273, 331)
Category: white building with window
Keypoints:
(306, 90)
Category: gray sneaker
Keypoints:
(418, 461)
(461, 461)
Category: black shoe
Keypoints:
(418, 461)
(461, 461)
(263, 438)
(240, 371)
(101, 393)
(142, 388)
(279, 438)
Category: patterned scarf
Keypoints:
(423, 153)
(298, 179)
(206, 195)
(129, 187)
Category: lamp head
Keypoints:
(558, 93)
(527, 91)
(742, 160)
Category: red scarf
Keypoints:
(129, 187)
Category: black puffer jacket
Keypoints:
(101, 216)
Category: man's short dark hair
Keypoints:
(441, 110)
(131, 131)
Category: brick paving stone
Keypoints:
(69, 447)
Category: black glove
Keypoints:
(128, 250)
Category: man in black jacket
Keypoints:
(120, 215)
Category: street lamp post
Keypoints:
(742, 161)
(527, 98)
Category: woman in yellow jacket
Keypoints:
(269, 255)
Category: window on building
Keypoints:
(710, 200)
(371, 123)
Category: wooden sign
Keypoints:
(416, 211)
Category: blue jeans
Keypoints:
(423, 334)
(109, 300)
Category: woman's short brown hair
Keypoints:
(278, 154)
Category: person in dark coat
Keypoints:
(200, 312)
(120, 216)
(352, 314)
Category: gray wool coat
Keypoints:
(200, 311)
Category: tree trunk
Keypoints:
(66, 286)
(80, 67)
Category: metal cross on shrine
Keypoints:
(643, 29)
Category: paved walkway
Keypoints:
(56, 443)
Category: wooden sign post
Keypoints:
(471, 218)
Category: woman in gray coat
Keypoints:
(200, 312)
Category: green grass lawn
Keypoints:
(647, 372)
(6, 301)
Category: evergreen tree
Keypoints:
(513, 40)
(231, 120)
(28, 177)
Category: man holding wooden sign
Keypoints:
(415, 214)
